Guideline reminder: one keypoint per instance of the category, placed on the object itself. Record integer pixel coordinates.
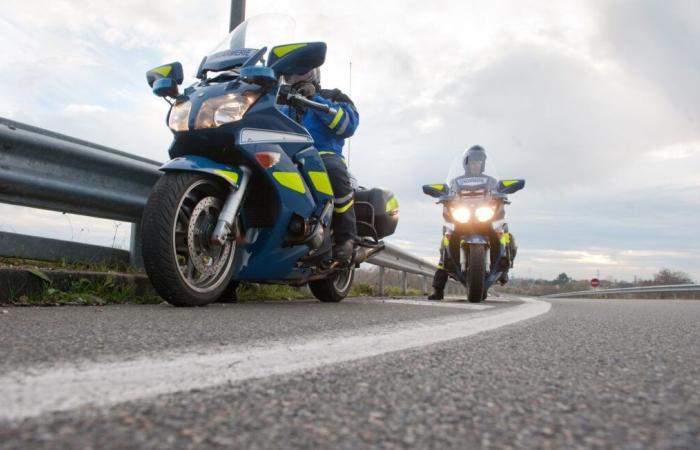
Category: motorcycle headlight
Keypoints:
(484, 213)
(227, 108)
(461, 214)
(179, 116)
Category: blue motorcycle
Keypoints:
(246, 196)
(476, 245)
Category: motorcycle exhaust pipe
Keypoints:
(224, 226)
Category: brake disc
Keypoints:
(206, 258)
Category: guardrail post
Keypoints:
(135, 257)
(403, 282)
(381, 281)
(424, 279)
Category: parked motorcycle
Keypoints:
(246, 196)
(476, 243)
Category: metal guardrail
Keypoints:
(394, 258)
(42, 169)
(47, 170)
(631, 290)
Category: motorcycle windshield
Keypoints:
(266, 30)
(472, 173)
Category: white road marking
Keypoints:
(444, 303)
(35, 391)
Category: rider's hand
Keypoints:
(305, 88)
(284, 92)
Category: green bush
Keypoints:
(255, 291)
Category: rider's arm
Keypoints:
(344, 122)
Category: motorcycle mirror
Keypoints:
(296, 58)
(510, 186)
(165, 87)
(435, 190)
(172, 71)
(260, 75)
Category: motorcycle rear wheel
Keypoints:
(184, 268)
(334, 288)
(476, 273)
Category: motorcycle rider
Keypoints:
(329, 132)
(474, 165)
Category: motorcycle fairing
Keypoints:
(262, 256)
(263, 124)
(193, 163)
(474, 239)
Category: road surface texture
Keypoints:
(360, 374)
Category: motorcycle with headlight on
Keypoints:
(476, 244)
(246, 196)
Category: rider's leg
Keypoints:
(344, 226)
(509, 241)
(440, 277)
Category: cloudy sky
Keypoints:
(595, 103)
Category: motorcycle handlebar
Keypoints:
(311, 104)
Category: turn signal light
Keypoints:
(267, 159)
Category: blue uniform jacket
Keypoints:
(328, 130)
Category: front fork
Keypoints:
(224, 226)
(464, 249)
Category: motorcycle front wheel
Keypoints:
(180, 215)
(334, 288)
(476, 273)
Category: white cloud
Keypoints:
(682, 150)
(429, 124)
(84, 109)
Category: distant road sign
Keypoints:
(595, 283)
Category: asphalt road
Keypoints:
(586, 373)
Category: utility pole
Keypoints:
(237, 13)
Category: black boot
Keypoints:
(439, 282)
(343, 251)
(504, 278)
(438, 294)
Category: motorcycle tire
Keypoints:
(476, 273)
(334, 288)
(169, 235)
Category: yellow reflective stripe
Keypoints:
(284, 49)
(505, 239)
(445, 241)
(441, 266)
(321, 182)
(507, 183)
(230, 176)
(290, 180)
(392, 204)
(439, 187)
(163, 70)
(337, 118)
(326, 153)
(342, 209)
